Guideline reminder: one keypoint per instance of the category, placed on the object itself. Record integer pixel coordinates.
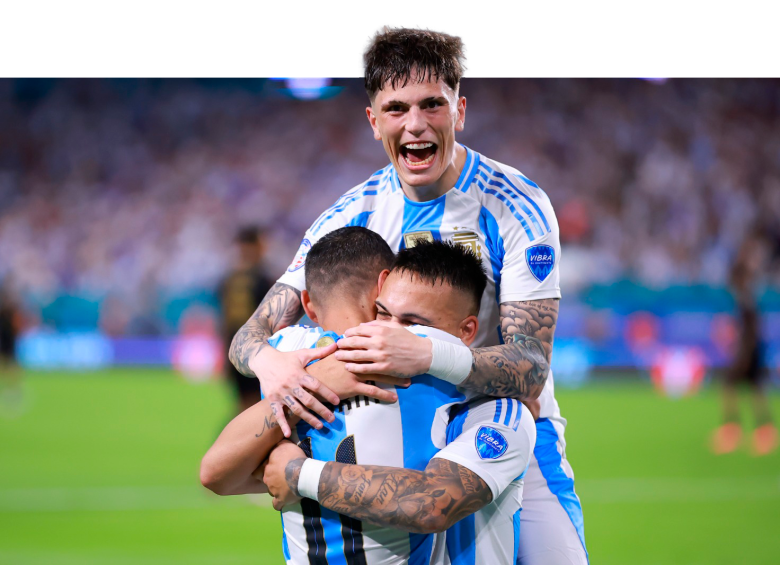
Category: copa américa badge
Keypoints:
(541, 260)
(300, 258)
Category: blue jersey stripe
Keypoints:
(510, 408)
(513, 196)
(462, 542)
(365, 189)
(423, 216)
(509, 205)
(516, 530)
(360, 220)
(559, 484)
(376, 176)
(469, 170)
(520, 192)
(499, 405)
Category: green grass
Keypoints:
(103, 469)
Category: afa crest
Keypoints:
(413, 238)
(541, 260)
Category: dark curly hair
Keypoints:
(396, 53)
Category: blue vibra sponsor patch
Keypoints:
(541, 260)
(490, 443)
(300, 258)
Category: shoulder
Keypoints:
(296, 337)
(360, 199)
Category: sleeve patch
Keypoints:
(300, 258)
(541, 260)
(490, 443)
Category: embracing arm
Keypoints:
(519, 367)
(280, 308)
(416, 501)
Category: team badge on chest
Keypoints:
(541, 260)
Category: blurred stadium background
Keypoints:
(119, 203)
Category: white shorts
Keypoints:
(551, 524)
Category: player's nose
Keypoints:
(415, 121)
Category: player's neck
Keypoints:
(341, 319)
(445, 182)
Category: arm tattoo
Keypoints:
(268, 424)
(519, 367)
(280, 308)
(292, 473)
(416, 501)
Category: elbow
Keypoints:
(432, 524)
(211, 478)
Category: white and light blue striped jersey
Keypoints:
(492, 437)
(493, 208)
(367, 432)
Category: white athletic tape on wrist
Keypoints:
(309, 479)
(450, 362)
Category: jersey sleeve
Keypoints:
(532, 250)
(293, 338)
(494, 438)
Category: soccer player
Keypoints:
(437, 189)
(486, 440)
(239, 292)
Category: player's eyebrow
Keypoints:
(407, 315)
(440, 99)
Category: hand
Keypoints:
(275, 470)
(385, 348)
(285, 382)
(331, 372)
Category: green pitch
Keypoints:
(103, 469)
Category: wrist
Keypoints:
(308, 483)
(450, 362)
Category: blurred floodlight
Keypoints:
(310, 88)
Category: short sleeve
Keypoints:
(494, 438)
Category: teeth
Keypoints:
(418, 163)
(418, 145)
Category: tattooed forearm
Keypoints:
(268, 424)
(280, 308)
(416, 501)
(292, 473)
(519, 367)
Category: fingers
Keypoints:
(382, 323)
(366, 368)
(309, 355)
(317, 387)
(297, 409)
(355, 342)
(380, 394)
(359, 356)
(387, 379)
(277, 504)
(313, 404)
(365, 330)
(278, 410)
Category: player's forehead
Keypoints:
(414, 91)
(403, 293)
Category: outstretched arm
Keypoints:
(416, 501)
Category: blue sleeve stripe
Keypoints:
(499, 406)
(510, 410)
(520, 192)
(351, 196)
(509, 205)
(275, 341)
(469, 170)
(336, 209)
(513, 195)
(360, 220)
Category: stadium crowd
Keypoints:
(130, 191)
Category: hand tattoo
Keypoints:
(280, 308)
(416, 501)
(518, 368)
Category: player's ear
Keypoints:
(468, 330)
(382, 279)
(460, 122)
(372, 120)
(308, 306)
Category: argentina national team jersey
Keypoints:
(494, 209)
(367, 432)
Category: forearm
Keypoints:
(520, 366)
(280, 308)
(416, 501)
(239, 450)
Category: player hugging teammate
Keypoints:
(434, 189)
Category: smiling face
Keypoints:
(407, 300)
(416, 124)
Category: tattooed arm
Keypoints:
(416, 501)
(519, 367)
(282, 376)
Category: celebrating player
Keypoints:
(486, 440)
(437, 189)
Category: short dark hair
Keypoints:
(347, 258)
(445, 262)
(395, 53)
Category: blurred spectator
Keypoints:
(10, 327)
(239, 295)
